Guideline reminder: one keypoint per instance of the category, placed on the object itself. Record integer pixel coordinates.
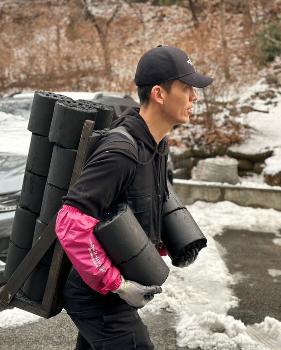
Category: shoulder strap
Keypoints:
(122, 130)
(125, 145)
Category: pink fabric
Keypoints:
(74, 230)
(163, 251)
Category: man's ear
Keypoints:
(157, 94)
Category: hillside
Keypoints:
(95, 45)
(90, 45)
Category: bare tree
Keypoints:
(209, 117)
(192, 7)
(139, 12)
(102, 25)
(224, 42)
(247, 17)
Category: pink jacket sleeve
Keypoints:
(74, 230)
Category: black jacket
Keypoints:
(112, 177)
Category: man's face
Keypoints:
(178, 103)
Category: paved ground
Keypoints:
(249, 256)
(59, 333)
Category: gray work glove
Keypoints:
(136, 294)
(188, 258)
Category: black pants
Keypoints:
(122, 330)
(105, 322)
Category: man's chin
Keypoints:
(185, 119)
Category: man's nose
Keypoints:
(194, 95)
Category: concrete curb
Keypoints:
(190, 191)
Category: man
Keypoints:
(101, 303)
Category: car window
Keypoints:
(9, 162)
(16, 107)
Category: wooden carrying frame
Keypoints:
(10, 295)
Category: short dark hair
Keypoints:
(145, 91)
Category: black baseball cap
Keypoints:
(164, 63)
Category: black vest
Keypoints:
(148, 189)
(145, 196)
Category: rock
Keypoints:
(195, 161)
(216, 170)
(182, 173)
(246, 109)
(203, 153)
(258, 167)
(272, 171)
(273, 180)
(184, 154)
(244, 164)
(252, 157)
(265, 95)
(244, 173)
(181, 162)
(272, 79)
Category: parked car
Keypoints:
(120, 102)
(17, 104)
(11, 176)
(12, 168)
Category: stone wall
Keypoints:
(247, 163)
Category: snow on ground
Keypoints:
(16, 317)
(266, 126)
(243, 183)
(201, 294)
(253, 180)
(273, 164)
(274, 272)
(277, 241)
(271, 327)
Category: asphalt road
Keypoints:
(59, 333)
(250, 256)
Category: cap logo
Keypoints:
(189, 61)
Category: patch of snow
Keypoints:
(277, 241)
(24, 95)
(242, 184)
(16, 317)
(210, 331)
(271, 327)
(246, 92)
(252, 180)
(266, 128)
(274, 272)
(273, 164)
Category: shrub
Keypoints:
(268, 43)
